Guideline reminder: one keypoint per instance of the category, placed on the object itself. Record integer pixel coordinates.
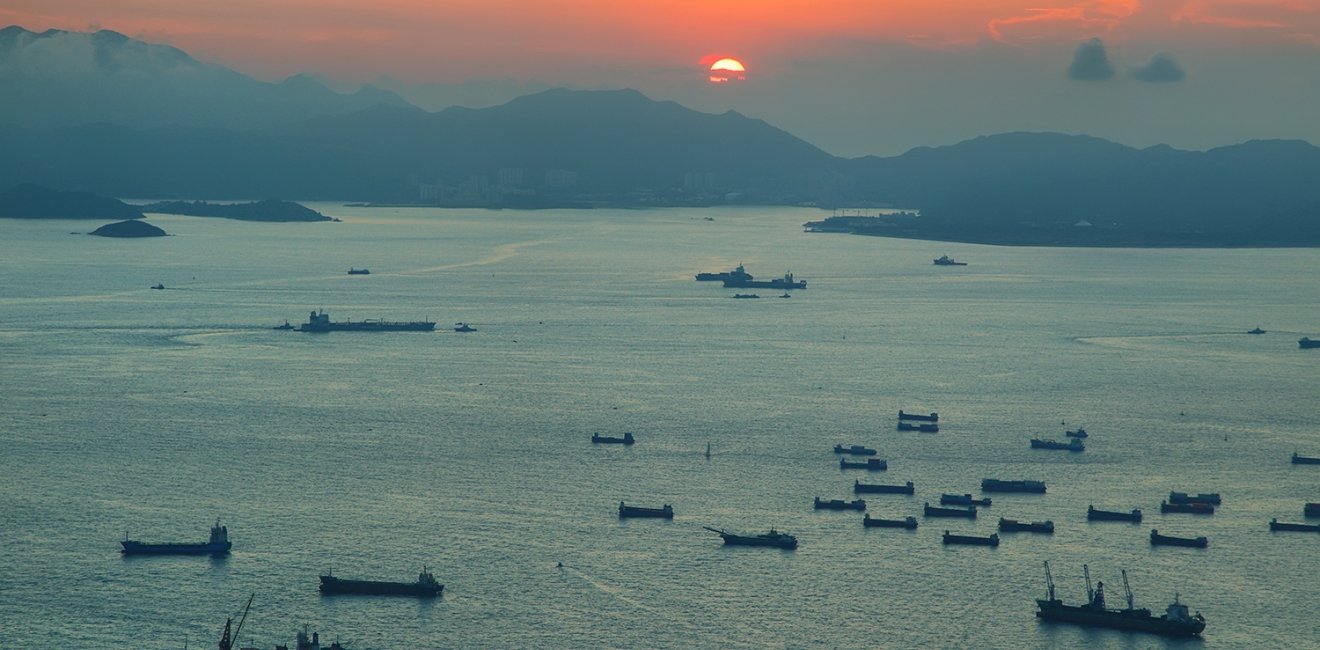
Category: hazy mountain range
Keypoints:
(113, 115)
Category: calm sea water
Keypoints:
(155, 412)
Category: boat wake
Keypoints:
(616, 592)
(499, 254)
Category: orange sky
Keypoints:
(576, 41)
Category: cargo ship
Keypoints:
(870, 488)
(998, 485)
(870, 464)
(1298, 459)
(219, 544)
(739, 274)
(935, 511)
(774, 539)
(1306, 343)
(1156, 539)
(664, 512)
(1075, 444)
(924, 428)
(319, 321)
(598, 439)
(971, 540)
(1092, 514)
(963, 500)
(839, 504)
(786, 282)
(1190, 508)
(1275, 524)
(1015, 526)
(1176, 621)
(855, 450)
(424, 587)
(909, 523)
(1211, 498)
(933, 417)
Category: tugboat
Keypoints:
(1015, 526)
(924, 428)
(840, 504)
(774, 539)
(745, 296)
(1092, 514)
(319, 321)
(933, 417)
(598, 439)
(1072, 445)
(1258, 330)
(1298, 459)
(855, 450)
(285, 326)
(464, 327)
(219, 544)
(998, 485)
(909, 523)
(945, 260)
(868, 488)
(664, 512)
(1275, 524)
(1156, 539)
(1306, 343)
(870, 464)
(158, 286)
(353, 271)
(1211, 498)
(424, 587)
(963, 500)
(1190, 508)
(965, 513)
(971, 540)
(1176, 621)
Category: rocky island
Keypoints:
(268, 210)
(28, 201)
(128, 228)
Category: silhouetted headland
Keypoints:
(28, 201)
(268, 210)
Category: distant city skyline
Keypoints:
(853, 78)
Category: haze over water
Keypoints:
(155, 412)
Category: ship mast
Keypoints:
(1127, 590)
(1049, 581)
(1090, 593)
(226, 643)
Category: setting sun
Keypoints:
(726, 70)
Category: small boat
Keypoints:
(1092, 514)
(1156, 539)
(870, 464)
(773, 539)
(1258, 330)
(1311, 510)
(924, 428)
(664, 512)
(933, 417)
(157, 286)
(869, 488)
(1015, 526)
(424, 587)
(464, 327)
(708, 451)
(285, 326)
(1072, 445)
(1079, 433)
(598, 439)
(786, 295)
(218, 544)
(945, 260)
(1298, 459)
(854, 450)
(353, 271)
(971, 540)
(1307, 343)
(745, 295)
(1176, 621)
(1193, 508)
(1211, 498)
(963, 500)
(965, 513)
(998, 485)
(1275, 524)
(909, 523)
(840, 504)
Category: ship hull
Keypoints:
(1105, 515)
(1135, 620)
(1300, 528)
(1305, 460)
(1031, 487)
(965, 513)
(139, 548)
(626, 512)
(738, 540)
(863, 488)
(909, 523)
(765, 284)
(339, 586)
(369, 327)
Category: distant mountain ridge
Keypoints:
(615, 147)
(62, 79)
